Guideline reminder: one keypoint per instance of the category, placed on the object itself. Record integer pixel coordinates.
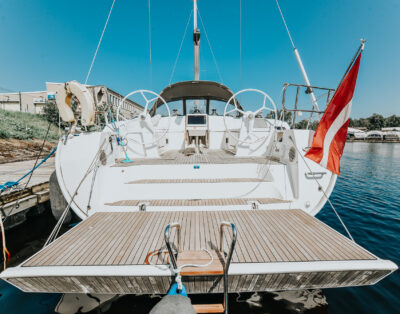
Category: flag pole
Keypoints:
(359, 50)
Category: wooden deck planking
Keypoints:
(296, 236)
(72, 238)
(253, 239)
(116, 246)
(323, 240)
(286, 246)
(198, 202)
(209, 157)
(185, 181)
(125, 238)
(258, 232)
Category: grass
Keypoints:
(25, 126)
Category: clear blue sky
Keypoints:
(55, 41)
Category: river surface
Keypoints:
(367, 196)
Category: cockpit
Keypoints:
(195, 116)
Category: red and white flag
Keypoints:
(330, 136)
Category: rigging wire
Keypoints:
(99, 43)
(180, 48)
(209, 44)
(91, 168)
(7, 90)
(151, 65)
(323, 191)
(284, 22)
(240, 46)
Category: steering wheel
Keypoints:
(249, 116)
(145, 121)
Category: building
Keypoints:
(391, 136)
(392, 128)
(34, 102)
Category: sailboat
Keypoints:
(200, 189)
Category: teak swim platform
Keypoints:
(275, 250)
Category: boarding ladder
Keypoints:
(218, 267)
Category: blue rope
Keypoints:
(10, 184)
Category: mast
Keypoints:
(196, 42)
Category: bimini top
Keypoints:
(195, 90)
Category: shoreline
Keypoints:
(371, 141)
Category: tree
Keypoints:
(376, 122)
(50, 112)
(393, 121)
(302, 124)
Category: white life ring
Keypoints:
(63, 99)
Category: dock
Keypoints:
(23, 197)
(276, 250)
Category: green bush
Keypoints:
(25, 126)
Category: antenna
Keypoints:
(196, 42)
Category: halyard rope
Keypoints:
(180, 48)
(99, 43)
(151, 65)
(284, 22)
(240, 45)
(212, 53)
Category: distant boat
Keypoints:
(374, 135)
(354, 133)
(164, 186)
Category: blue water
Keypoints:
(367, 196)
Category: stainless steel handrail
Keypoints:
(329, 92)
(229, 256)
(167, 234)
(234, 236)
(315, 175)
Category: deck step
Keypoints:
(210, 157)
(200, 257)
(209, 308)
(219, 180)
(198, 202)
